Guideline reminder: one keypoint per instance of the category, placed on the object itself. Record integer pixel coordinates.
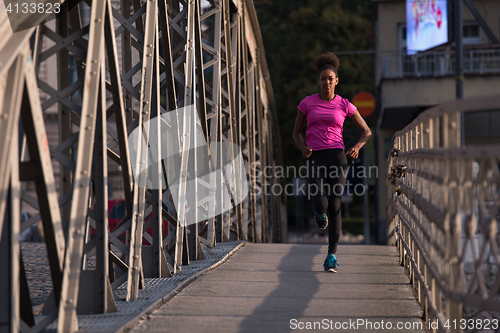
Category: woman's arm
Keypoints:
(365, 135)
(297, 137)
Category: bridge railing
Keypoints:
(444, 213)
(105, 69)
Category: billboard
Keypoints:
(426, 24)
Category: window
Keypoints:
(406, 62)
(471, 33)
(402, 37)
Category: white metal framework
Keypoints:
(444, 208)
(116, 66)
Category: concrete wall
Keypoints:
(490, 11)
(390, 15)
(434, 90)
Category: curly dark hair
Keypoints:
(326, 61)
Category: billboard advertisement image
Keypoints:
(426, 24)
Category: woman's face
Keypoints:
(327, 80)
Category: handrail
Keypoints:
(440, 63)
(443, 206)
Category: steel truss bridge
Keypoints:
(103, 68)
(444, 213)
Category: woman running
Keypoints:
(324, 148)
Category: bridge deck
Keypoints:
(265, 287)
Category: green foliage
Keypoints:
(294, 33)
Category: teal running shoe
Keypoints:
(321, 220)
(331, 263)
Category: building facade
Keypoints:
(409, 84)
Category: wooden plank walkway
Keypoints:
(282, 288)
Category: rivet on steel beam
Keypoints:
(148, 55)
(136, 257)
(88, 127)
(150, 45)
(98, 20)
(94, 61)
(94, 73)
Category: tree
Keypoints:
(294, 33)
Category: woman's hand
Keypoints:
(365, 135)
(307, 152)
(299, 123)
(353, 153)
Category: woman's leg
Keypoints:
(334, 206)
(318, 195)
(316, 190)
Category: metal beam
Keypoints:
(79, 206)
(481, 21)
(459, 61)
(194, 58)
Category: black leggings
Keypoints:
(327, 171)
